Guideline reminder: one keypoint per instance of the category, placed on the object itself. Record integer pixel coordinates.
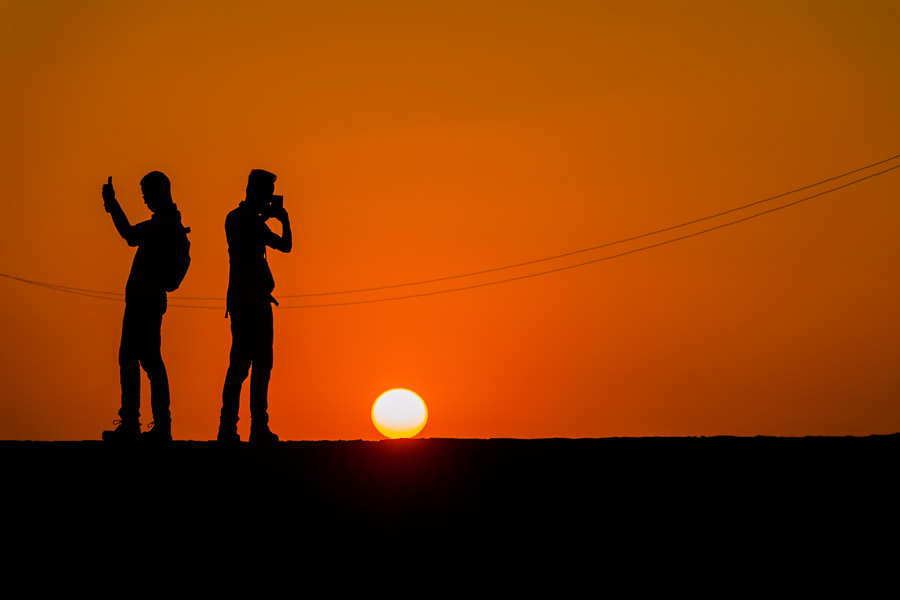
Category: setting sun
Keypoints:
(399, 413)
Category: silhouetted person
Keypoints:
(249, 303)
(161, 249)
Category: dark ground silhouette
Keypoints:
(555, 517)
(553, 490)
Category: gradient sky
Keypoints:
(416, 140)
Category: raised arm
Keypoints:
(125, 229)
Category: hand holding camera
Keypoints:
(276, 208)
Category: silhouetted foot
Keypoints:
(228, 434)
(158, 433)
(124, 432)
(262, 435)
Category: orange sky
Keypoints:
(416, 140)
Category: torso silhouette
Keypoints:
(250, 281)
(146, 281)
(145, 284)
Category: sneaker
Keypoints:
(124, 432)
(262, 435)
(157, 433)
(228, 435)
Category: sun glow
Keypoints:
(399, 413)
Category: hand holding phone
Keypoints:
(109, 194)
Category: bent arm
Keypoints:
(285, 242)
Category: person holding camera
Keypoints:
(249, 304)
(159, 266)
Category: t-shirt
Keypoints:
(250, 281)
(145, 281)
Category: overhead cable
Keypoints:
(116, 296)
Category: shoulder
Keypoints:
(237, 215)
(166, 224)
(233, 219)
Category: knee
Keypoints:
(263, 362)
(154, 366)
(237, 372)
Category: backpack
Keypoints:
(176, 258)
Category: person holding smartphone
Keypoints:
(249, 304)
(152, 276)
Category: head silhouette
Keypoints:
(260, 187)
(157, 191)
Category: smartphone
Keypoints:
(277, 202)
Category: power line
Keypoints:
(596, 260)
(90, 292)
(592, 248)
(69, 290)
(574, 252)
(117, 297)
